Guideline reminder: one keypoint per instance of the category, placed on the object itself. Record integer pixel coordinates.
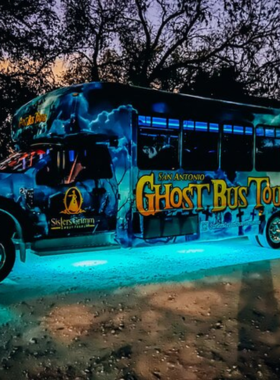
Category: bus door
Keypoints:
(74, 189)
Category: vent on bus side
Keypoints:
(164, 226)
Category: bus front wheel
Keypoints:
(7, 258)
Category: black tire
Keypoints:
(272, 231)
(7, 258)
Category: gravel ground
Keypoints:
(202, 311)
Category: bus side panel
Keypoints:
(187, 209)
(223, 203)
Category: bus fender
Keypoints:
(264, 235)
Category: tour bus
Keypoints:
(107, 165)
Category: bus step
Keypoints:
(74, 244)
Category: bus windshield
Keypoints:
(21, 161)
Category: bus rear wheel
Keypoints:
(273, 231)
(7, 258)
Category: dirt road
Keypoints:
(215, 323)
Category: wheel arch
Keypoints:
(7, 216)
(264, 239)
(14, 223)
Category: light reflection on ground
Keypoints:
(200, 311)
(125, 267)
(89, 263)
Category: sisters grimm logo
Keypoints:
(152, 198)
(73, 202)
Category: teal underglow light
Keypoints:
(190, 250)
(124, 267)
(89, 263)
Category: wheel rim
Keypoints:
(3, 256)
(274, 230)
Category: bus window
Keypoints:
(237, 148)
(76, 165)
(267, 149)
(200, 145)
(158, 143)
(84, 164)
(144, 120)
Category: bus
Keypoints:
(102, 165)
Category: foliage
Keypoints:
(28, 40)
(90, 33)
(164, 44)
(213, 84)
(182, 45)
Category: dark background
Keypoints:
(225, 49)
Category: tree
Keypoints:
(213, 85)
(186, 36)
(163, 44)
(28, 40)
(189, 45)
(90, 34)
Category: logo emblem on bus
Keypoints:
(73, 201)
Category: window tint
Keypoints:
(237, 148)
(145, 120)
(173, 123)
(76, 165)
(159, 122)
(200, 145)
(83, 164)
(267, 149)
(158, 143)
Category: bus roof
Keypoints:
(67, 110)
